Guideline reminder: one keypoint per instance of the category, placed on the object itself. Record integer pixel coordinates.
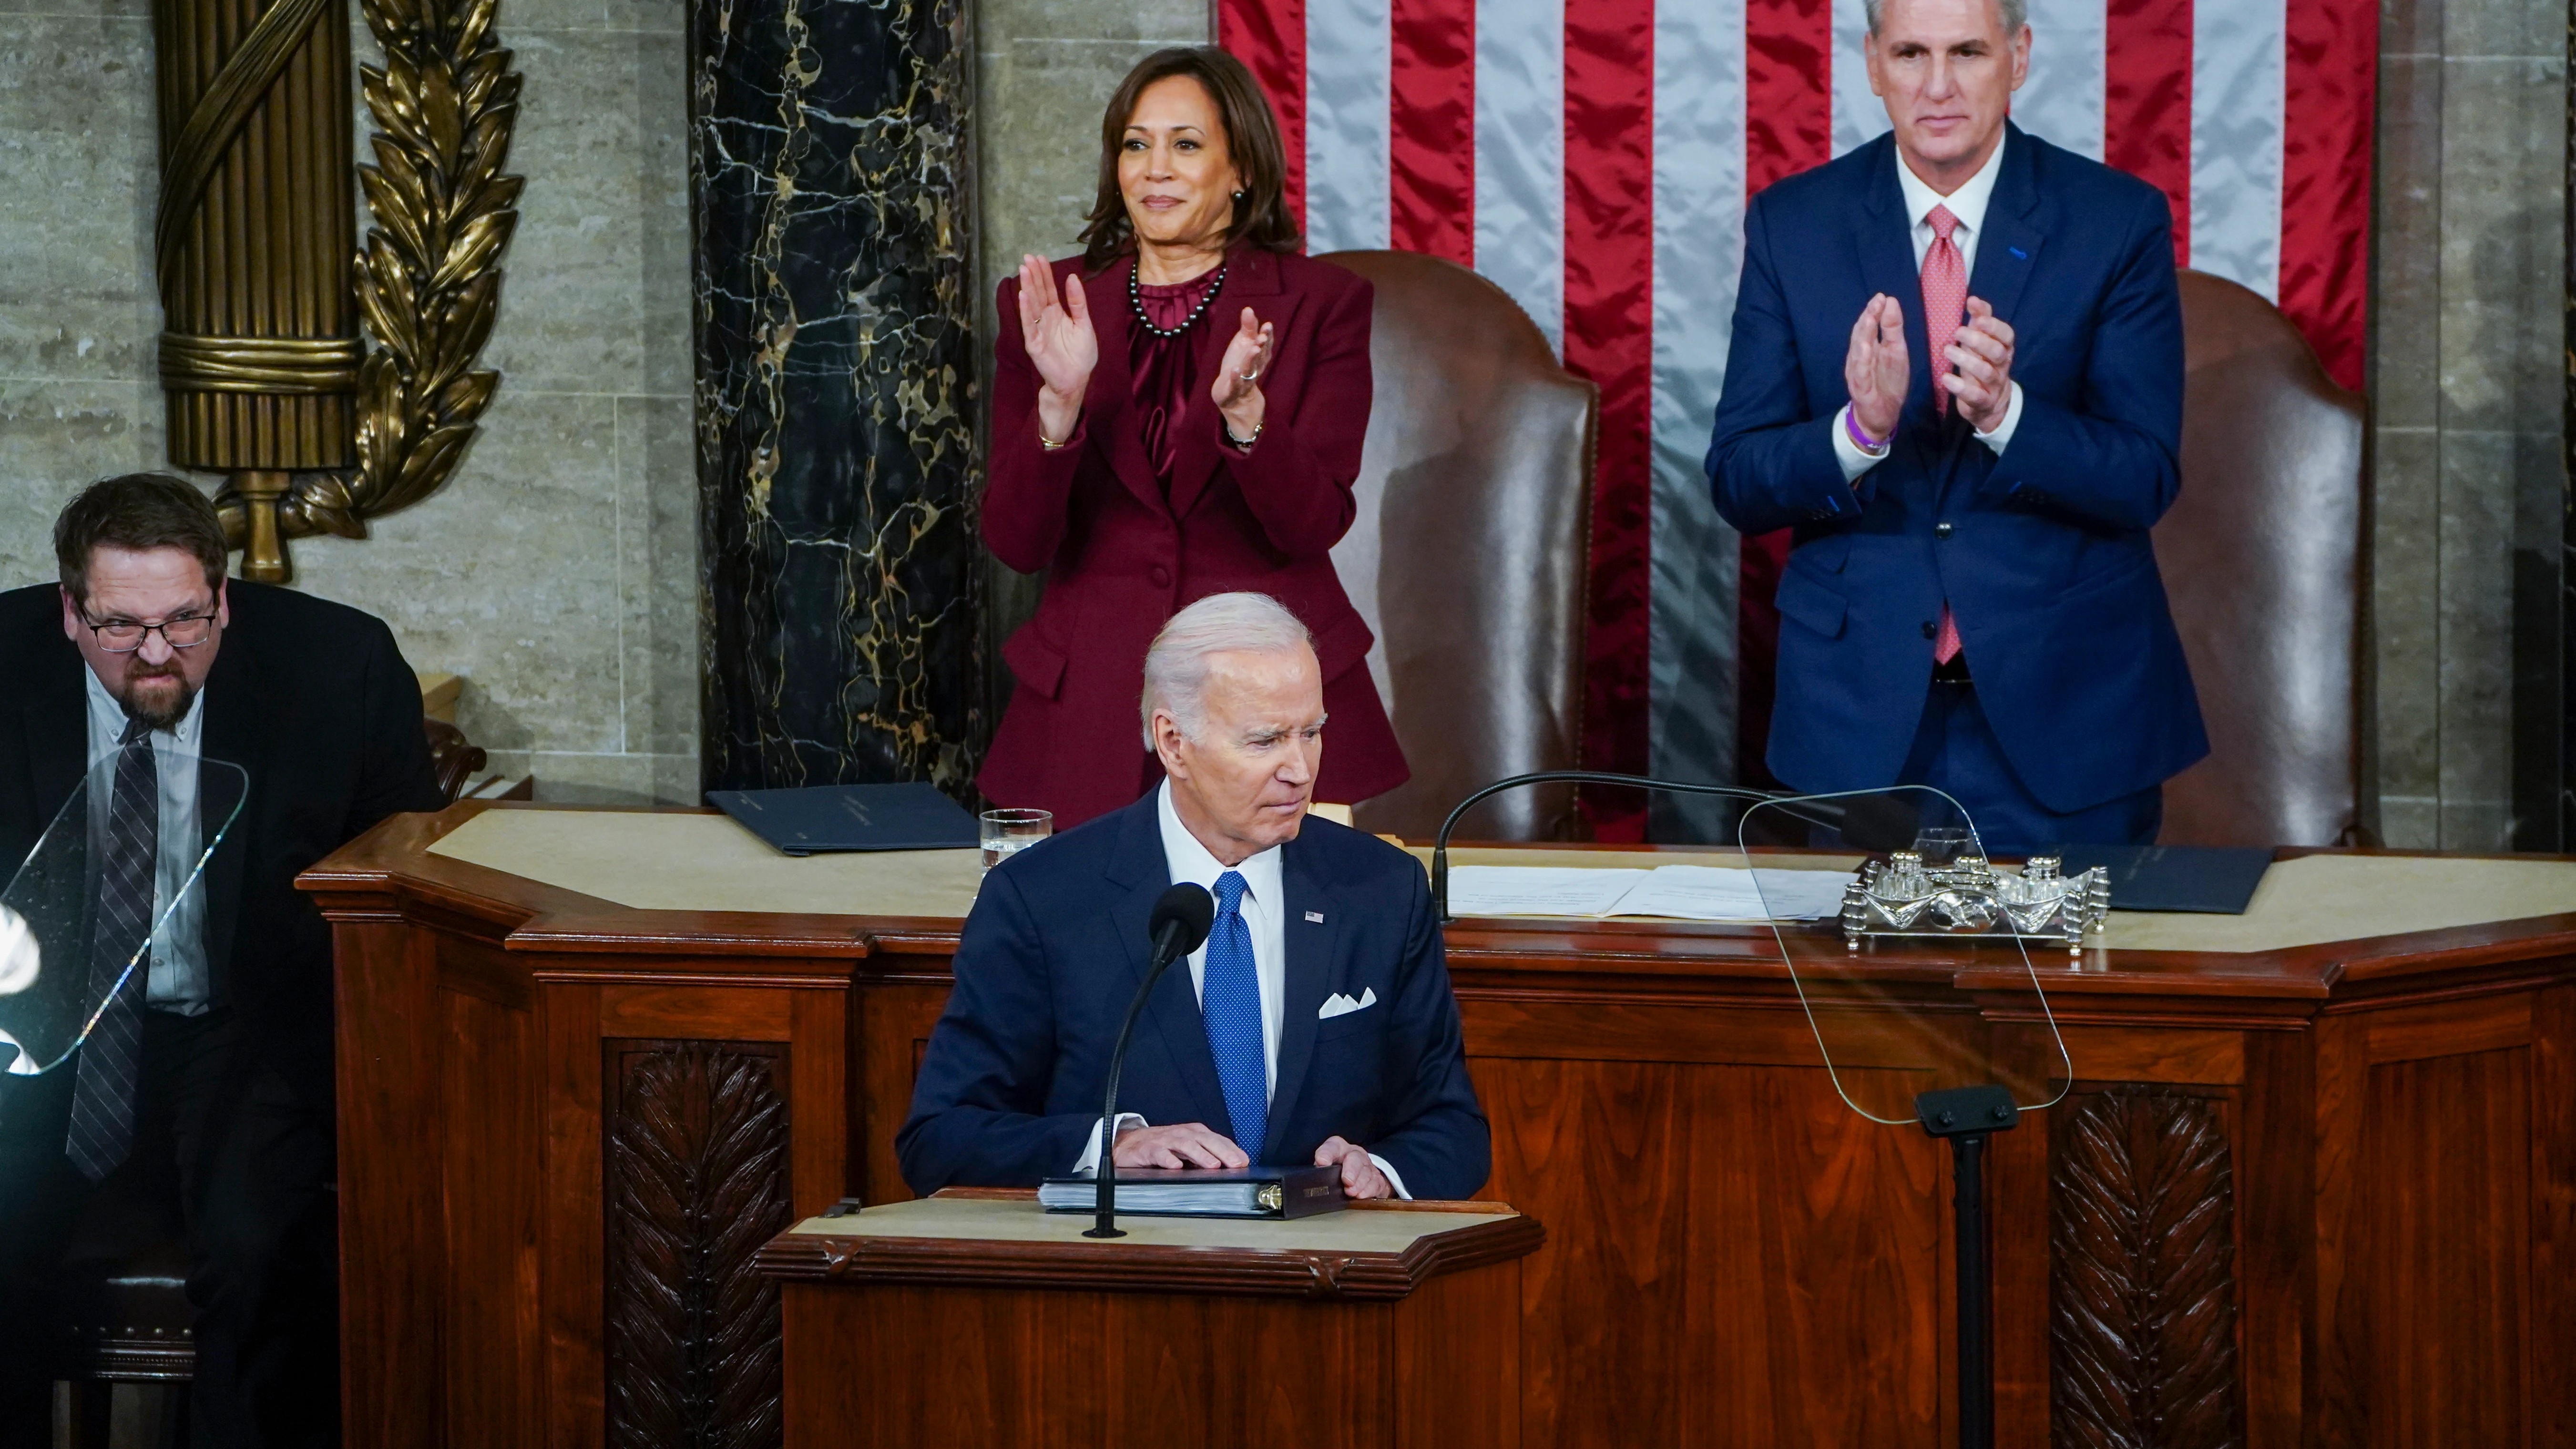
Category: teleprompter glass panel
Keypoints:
(52, 987)
(1913, 954)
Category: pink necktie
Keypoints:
(1945, 303)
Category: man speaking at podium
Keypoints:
(1972, 600)
(1315, 1025)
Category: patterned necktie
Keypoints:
(102, 1129)
(1945, 303)
(1230, 1003)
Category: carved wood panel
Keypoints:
(2142, 1227)
(697, 1169)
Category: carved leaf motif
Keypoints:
(2142, 1255)
(444, 104)
(697, 1173)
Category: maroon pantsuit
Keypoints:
(1123, 551)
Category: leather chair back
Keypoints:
(1468, 555)
(2263, 556)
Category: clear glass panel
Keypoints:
(51, 991)
(1918, 961)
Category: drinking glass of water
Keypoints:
(1007, 831)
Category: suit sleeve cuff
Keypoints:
(1851, 455)
(2002, 435)
(1089, 1162)
(1394, 1179)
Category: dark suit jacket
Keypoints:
(1010, 1086)
(1121, 558)
(315, 703)
(2043, 552)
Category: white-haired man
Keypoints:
(1957, 375)
(1316, 1024)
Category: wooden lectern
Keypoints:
(972, 1318)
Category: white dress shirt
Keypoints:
(1265, 912)
(1968, 206)
(178, 981)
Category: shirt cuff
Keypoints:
(1089, 1162)
(2002, 435)
(1394, 1179)
(1854, 459)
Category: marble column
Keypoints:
(831, 180)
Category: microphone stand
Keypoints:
(1167, 949)
(1440, 848)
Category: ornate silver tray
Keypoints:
(1969, 897)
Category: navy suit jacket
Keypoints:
(1010, 1086)
(2042, 552)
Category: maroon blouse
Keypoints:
(1161, 365)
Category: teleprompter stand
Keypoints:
(1966, 1117)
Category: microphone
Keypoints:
(1182, 916)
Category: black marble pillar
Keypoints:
(830, 190)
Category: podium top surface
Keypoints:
(998, 1238)
(692, 861)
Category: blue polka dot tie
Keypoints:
(1230, 1001)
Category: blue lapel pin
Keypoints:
(2018, 252)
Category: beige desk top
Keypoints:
(1020, 1220)
(688, 862)
(677, 862)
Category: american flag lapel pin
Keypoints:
(1315, 916)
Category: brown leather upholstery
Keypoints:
(2262, 556)
(1468, 555)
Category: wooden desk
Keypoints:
(971, 1319)
(2303, 1191)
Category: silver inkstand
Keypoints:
(1969, 897)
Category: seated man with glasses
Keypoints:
(206, 1083)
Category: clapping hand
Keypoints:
(1981, 353)
(1061, 344)
(1238, 379)
(1876, 371)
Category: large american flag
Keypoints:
(1593, 158)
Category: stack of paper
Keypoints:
(1681, 892)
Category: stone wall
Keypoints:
(2467, 414)
(557, 572)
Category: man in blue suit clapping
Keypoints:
(1956, 373)
(1316, 1025)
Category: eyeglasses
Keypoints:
(184, 632)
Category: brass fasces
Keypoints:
(263, 287)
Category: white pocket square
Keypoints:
(1339, 1005)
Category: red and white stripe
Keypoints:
(1593, 158)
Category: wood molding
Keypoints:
(2142, 1331)
(697, 1176)
(1141, 1268)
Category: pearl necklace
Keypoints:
(1136, 299)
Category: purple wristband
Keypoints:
(1867, 444)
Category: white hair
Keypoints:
(2016, 14)
(1176, 668)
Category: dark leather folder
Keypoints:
(851, 817)
(2215, 879)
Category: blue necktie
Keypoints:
(1230, 1001)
